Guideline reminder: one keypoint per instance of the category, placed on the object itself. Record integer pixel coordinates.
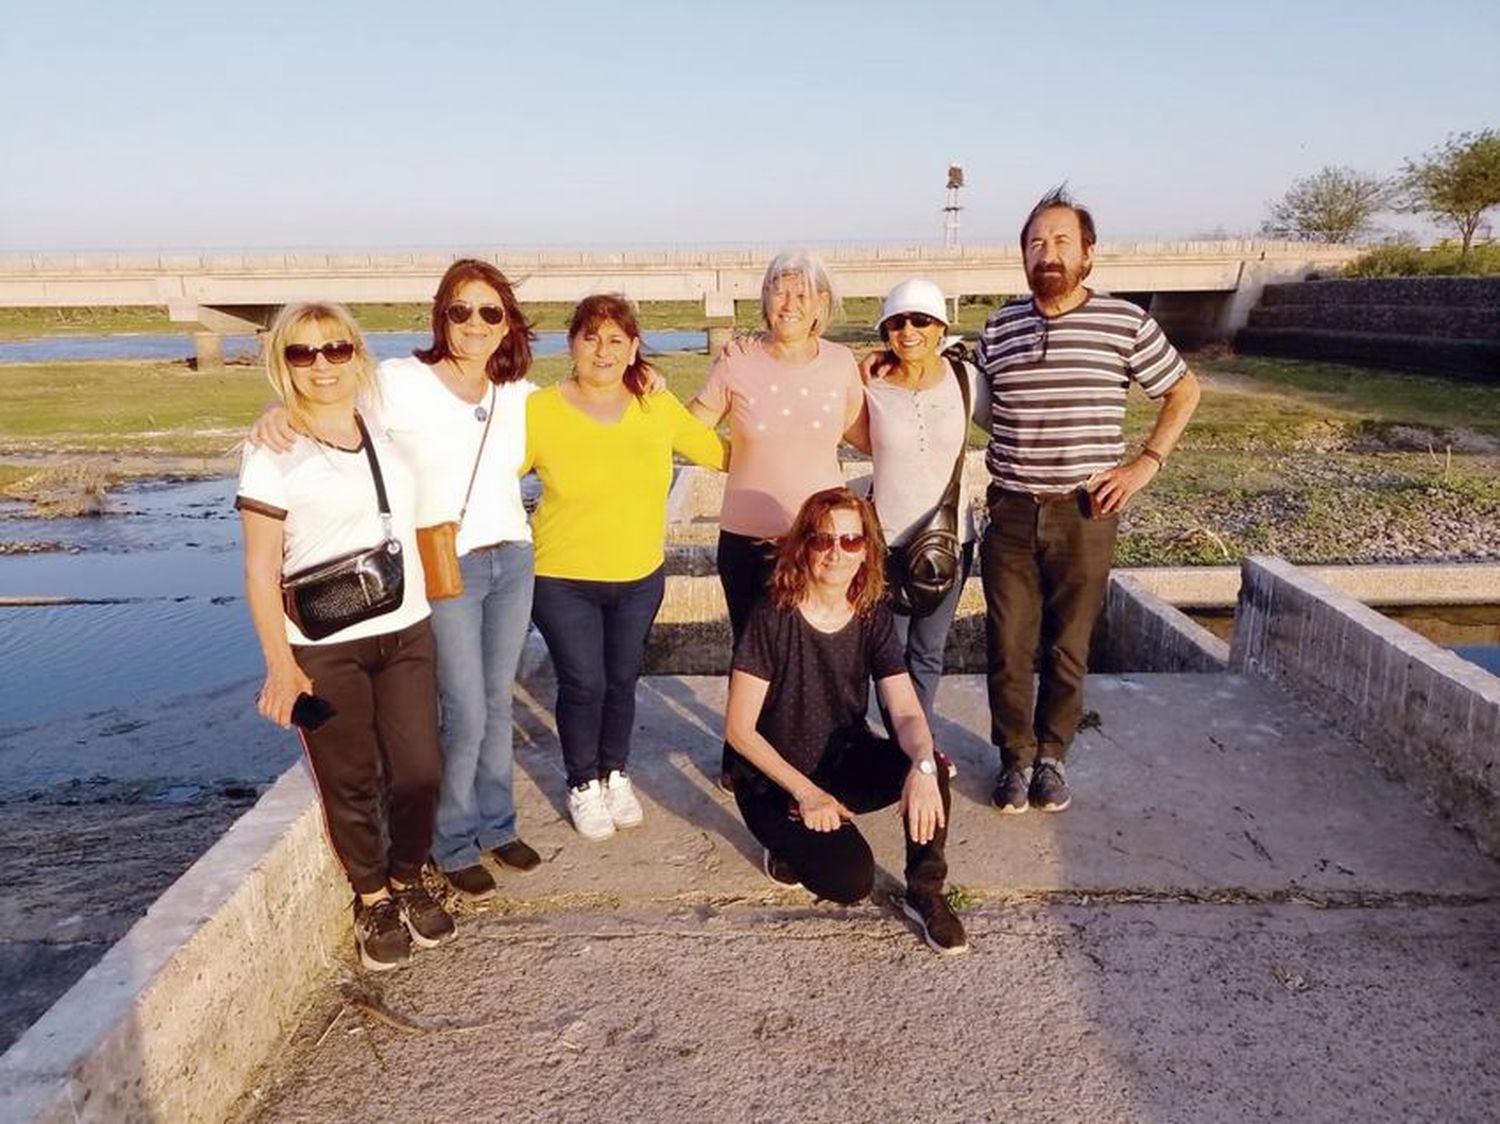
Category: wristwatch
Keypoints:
(927, 767)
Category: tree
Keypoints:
(1333, 205)
(1456, 182)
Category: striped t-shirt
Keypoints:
(1058, 386)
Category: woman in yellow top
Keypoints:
(602, 450)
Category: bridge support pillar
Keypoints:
(719, 308)
(208, 351)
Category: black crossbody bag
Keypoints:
(922, 572)
(354, 587)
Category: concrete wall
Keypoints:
(1447, 325)
(175, 1018)
(1427, 715)
(1141, 632)
(1137, 631)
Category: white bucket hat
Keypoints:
(916, 294)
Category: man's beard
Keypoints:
(1051, 282)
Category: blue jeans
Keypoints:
(479, 638)
(925, 638)
(596, 632)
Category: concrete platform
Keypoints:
(1240, 918)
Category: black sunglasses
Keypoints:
(459, 313)
(301, 355)
(915, 319)
(822, 542)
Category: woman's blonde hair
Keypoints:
(792, 576)
(805, 264)
(336, 321)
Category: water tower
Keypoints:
(950, 211)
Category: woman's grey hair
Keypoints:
(803, 263)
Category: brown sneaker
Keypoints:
(426, 921)
(380, 934)
(471, 882)
(516, 856)
(941, 928)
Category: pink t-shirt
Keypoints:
(785, 423)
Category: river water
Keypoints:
(156, 606)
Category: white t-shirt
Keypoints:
(439, 433)
(326, 497)
(915, 436)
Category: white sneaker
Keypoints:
(590, 816)
(619, 798)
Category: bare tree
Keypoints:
(1456, 183)
(1332, 205)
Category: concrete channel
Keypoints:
(1267, 901)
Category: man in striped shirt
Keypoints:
(1060, 365)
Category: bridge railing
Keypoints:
(520, 258)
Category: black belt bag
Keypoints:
(921, 572)
(344, 591)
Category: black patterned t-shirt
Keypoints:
(820, 681)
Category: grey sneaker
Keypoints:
(1011, 790)
(1049, 786)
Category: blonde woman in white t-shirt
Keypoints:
(457, 411)
(364, 696)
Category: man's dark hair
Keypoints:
(1058, 197)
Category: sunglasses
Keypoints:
(822, 542)
(301, 355)
(459, 313)
(915, 319)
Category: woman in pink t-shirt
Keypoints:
(789, 396)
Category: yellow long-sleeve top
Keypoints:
(603, 511)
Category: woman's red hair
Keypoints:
(792, 576)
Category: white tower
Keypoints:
(950, 211)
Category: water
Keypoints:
(160, 610)
(1469, 631)
(168, 346)
(156, 604)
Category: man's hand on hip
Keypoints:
(1113, 487)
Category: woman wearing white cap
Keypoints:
(915, 426)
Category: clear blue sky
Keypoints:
(188, 125)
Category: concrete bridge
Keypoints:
(1198, 290)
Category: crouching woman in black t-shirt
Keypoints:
(805, 762)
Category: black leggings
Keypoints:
(377, 762)
(745, 566)
(865, 773)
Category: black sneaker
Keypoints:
(1049, 786)
(426, 921)
(517, 856)
(941, 928)
(381, 935)
(1011, 790)
(779, 871)
(471, 882)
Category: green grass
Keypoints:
(1374, 396)
(1300, 459)
(10, 473)
(24, 323)
(127, 407)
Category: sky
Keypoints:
(171, 125)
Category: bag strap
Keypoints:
(385, 506)
(488, 417)
(950, 493)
